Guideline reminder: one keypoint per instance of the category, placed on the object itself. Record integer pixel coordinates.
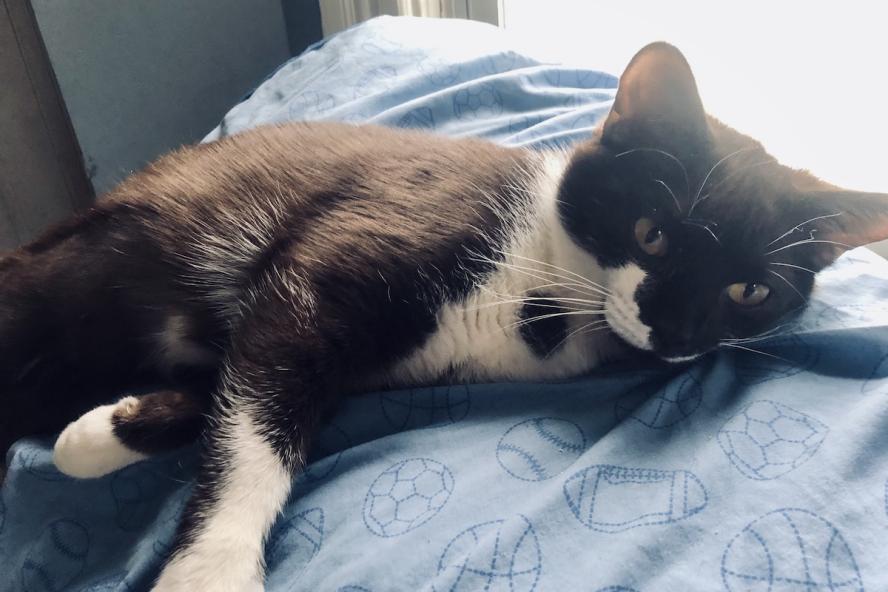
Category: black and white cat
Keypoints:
(247, 284)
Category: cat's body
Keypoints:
(252, 282)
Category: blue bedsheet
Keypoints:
(743, 471)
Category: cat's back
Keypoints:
(301, 169)
(324, 154)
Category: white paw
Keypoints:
(88, 448)
(219, 572)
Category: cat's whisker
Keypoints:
(538, 304)
(517, 301)
(709, 174)
(574, 304)
(755, 351)
(793, 266)
(799, 226)
(704, 226)
(669, 189)
(575, 300)
(535, 273)
(666, 154)
(522, 322)
(732, 175)
(573, 287)
(756, 339)
(584, 280)
(808, 241)
(789, 283)
(605, 326)
(592, 325)
(529, 295)
(771, 333)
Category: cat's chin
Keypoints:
(680, 359)
(638, 340)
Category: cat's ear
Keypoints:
(656, 89)
(844, 220)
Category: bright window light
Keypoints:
(808, 79)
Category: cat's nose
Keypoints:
(674, 338)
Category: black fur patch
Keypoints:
(543, 333)
(161, 421)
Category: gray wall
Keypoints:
(41, 172)
(140, 77)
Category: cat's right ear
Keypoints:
(657, 91)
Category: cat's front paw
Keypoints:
(88, 447)
(189, 587)
(219, 572)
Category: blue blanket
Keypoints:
(744, 471)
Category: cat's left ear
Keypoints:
(847, 219)
(657, 91)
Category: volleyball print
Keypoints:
(477, 102)
(311, 104)
(768, 439)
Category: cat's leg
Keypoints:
(281, 376)
(258, 441)
(113, 436)
(91, 310)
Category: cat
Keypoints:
(247, 284)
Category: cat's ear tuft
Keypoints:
(849, 219)
(657, 88)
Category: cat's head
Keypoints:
(705, 237)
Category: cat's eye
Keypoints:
(748, 294)
(650, 237)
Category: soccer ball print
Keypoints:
(407, 495)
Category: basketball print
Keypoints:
(495, 555)
(425, 408)
(790, 549)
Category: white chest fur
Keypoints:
(480, 338)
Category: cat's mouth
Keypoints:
(622, 317)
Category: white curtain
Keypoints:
(337, 15)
